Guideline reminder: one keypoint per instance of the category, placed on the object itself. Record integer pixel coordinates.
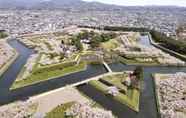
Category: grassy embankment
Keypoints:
(115, 43)
(170, 43)
(49, 72)
(59, 111)
(130, 98)
(131, 59)
(135, 62)
(23, 70)
(156, 78)
(5, 67)
(43, 73)
(3, 35)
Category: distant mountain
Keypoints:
(17, 3)
(58, 4)
(41, 4)
(51, 4)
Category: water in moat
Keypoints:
(148, 107)
(144, 40)
(7, 79)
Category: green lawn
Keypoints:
(111, 44)
(21, 73)
(132, 103)
(116, 80)
(43, 74)
(59, 111)
(135, 62)
(131, 98)
(99, 85)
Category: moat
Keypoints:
(148, 108)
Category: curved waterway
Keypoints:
(148, 107)
(9, 76)
(7, 79)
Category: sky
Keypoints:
(144, 2)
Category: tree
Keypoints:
(79, 45)
(62, 55)
(62, 42)
(52, 55)
(179, 29)
(84, 34)
(168, 42)
(95, 41)
(138, 72)
(3, 34)
(136, 77)
(76, 41)
(107, 36)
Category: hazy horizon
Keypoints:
(143, 2)
(179, 3)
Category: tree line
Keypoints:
(94, 38)
(165, 41)
(168, 42)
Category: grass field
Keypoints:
(47, 73)
(59, 111)
(130, 98)
(134, 62)
(132, 102)
(116, 80)
(111, 44)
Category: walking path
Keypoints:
(171, 52)
(51, 100)
(73, 85)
